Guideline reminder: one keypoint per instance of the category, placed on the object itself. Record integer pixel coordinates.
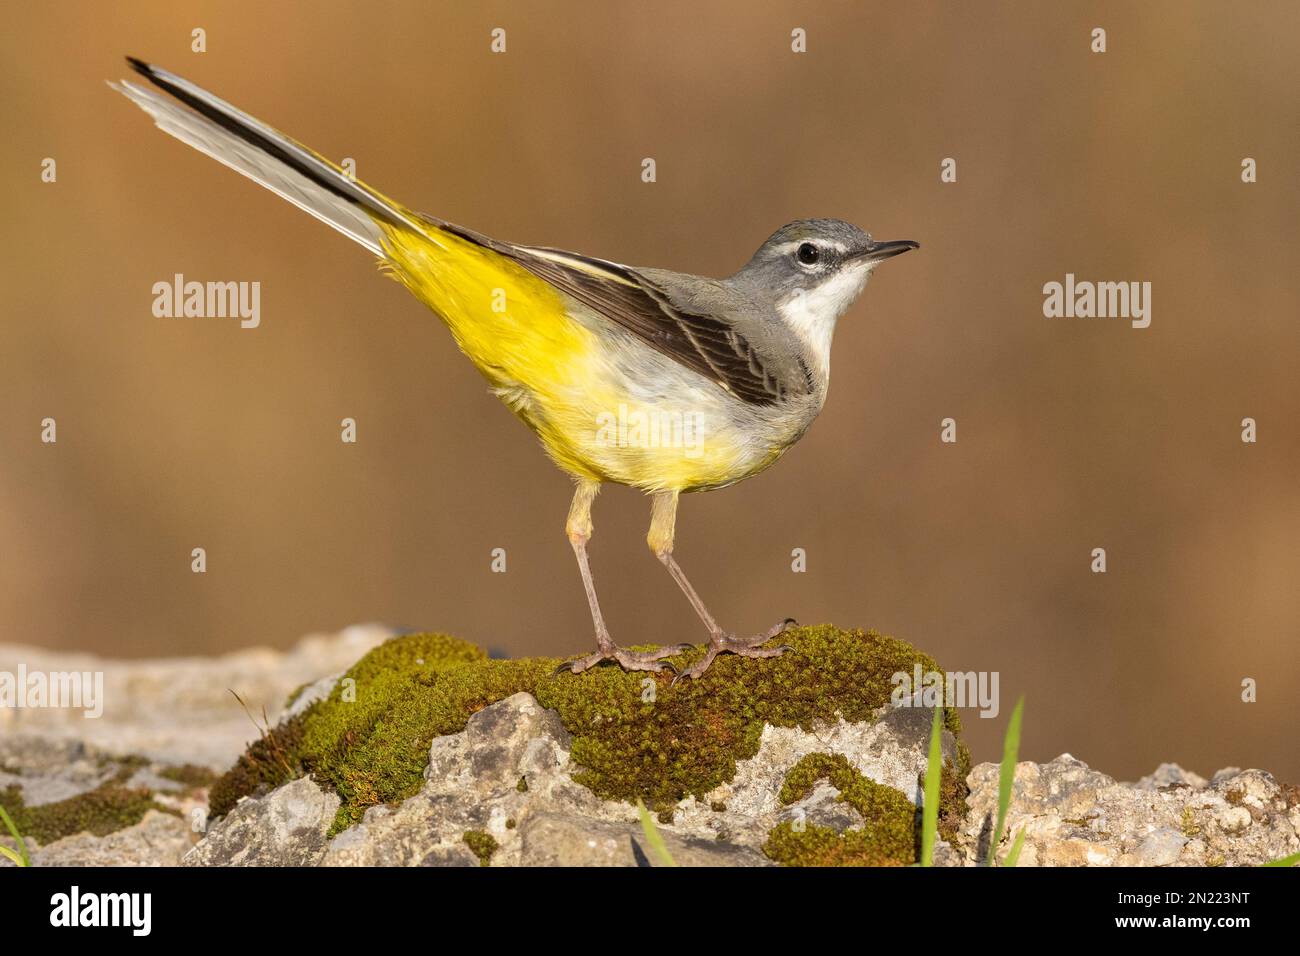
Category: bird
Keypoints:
(666, 382)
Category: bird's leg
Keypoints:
(663, 524)
(578, 528)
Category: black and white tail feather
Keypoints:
(265, 155)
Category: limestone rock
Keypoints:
(507, 774)
(1075, 816)
(285, 828)
(160, 839)
(503, 788)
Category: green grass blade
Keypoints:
(1291, 860)
(1013, 856)
(653, 837)
(20, 858)
(930, 806)
(1006, 778)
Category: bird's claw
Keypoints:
(651, 661)
(724, 643)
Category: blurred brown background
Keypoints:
(1073, 434)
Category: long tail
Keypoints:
(267, 156)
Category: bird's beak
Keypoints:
(879, 251)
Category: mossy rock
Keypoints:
(889, 834)
(104, 810)
(483, 845)
(634, 734)
(189, 775)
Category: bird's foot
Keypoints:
(628, 660)
(724, 643)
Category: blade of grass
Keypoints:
(20, 858)
(1013, 855)
(1006, 778)
(653, 837)
(1291, 860)
(930, 806)
(264, 729)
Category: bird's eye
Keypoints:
(808, 253)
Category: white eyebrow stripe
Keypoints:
(794, 244)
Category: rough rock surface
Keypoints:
(1075, 816)
(502, 788)
(159, 714)
(508, 775)
(160, 839)
(180, 709)
(284, 828)
(45, 772)
(1072, 815)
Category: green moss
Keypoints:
(104, 810)
(369, 739)
(688, 740)
(888, 837)
(413, 654)
(189, 775)
(482, 843)
(823, 846)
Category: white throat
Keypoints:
(812, 313)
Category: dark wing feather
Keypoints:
(705, 344)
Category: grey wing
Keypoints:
(655, 313)
(650, 309)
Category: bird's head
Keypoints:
(811, 271)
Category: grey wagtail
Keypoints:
(660, 380)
